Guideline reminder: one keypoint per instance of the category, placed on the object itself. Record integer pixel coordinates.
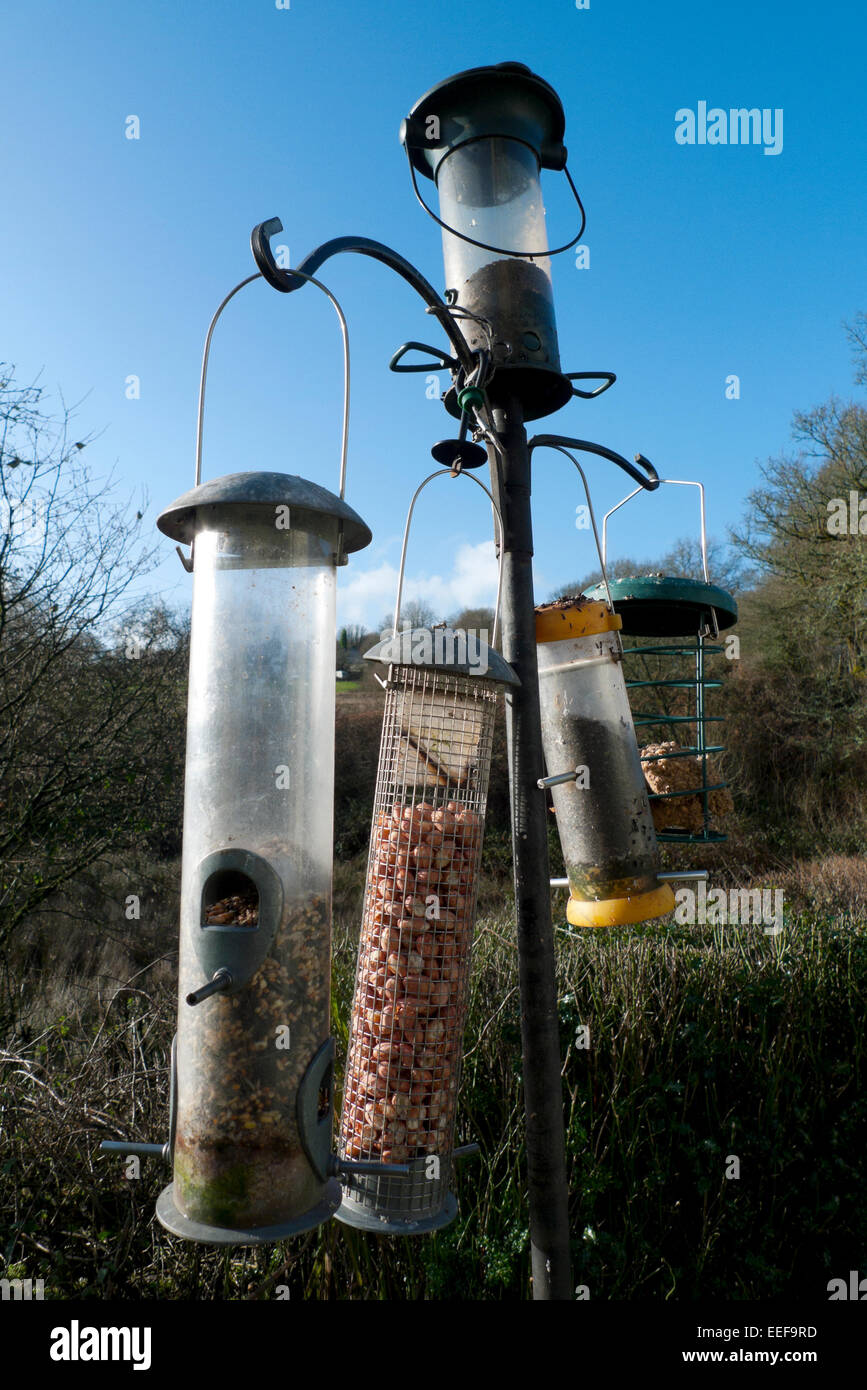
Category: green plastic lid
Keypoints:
(659, 605)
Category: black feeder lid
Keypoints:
(505, 99)
(267, 490)
(659, 605)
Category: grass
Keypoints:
(706, 1045)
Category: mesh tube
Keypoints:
(412, 978)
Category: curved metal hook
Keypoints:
(286, 280)
(260, 241)
(649, 479)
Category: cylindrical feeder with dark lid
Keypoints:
(483, 136)
(254, 1052)
(412, 980)
(594, 771)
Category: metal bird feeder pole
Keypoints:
(540, 1037)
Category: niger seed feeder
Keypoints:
(483, 137)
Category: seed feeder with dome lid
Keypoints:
(251, 1110)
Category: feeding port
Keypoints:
(412, 977)
(597, 785)
(254, 1053)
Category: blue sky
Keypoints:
(705, 261)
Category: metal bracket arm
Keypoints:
(649, 479)
(286, 282)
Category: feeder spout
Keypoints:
(118, 1146)
(467, 1151)
(559, 779)
(221, 980)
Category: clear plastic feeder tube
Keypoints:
(251, 1145)
(602, 808)
(490, 190)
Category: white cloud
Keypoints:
(365, 596)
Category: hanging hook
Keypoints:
(260, 242)
(276, 225)
(649, 479)
(422, 485)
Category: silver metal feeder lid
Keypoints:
(441, 649)
(263, 490)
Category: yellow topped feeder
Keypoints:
(600, 798)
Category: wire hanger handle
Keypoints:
(676, 482)
(422, 485)
(483, 245)
(207, 351)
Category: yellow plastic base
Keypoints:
(616, 912)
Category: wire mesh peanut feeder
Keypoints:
(669, 683)
(412, 977)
